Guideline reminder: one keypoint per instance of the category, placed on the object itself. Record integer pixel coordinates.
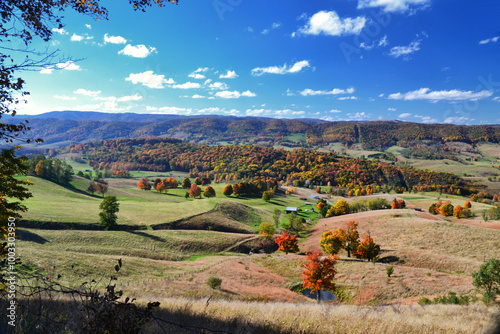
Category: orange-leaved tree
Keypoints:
(367, 249)
(228, 190)
(160, 187)
(287, 243)
(351, 237)
(319, 272)
(144, 184)
(467, 205)
(457, 212)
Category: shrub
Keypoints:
(390, 270)
(446, 209)
(457, 212)
(378, 204)
(424, 301)
(214, 282)
(341, 207)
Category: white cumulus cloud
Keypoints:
(137, 51)
(76, 38)
(187, 85)
(149, 79)
(296, 67)
(114, 39)
(330, 24)
(60, 31)
(229, 75)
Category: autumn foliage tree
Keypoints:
(101, 187)
(351, 237)
(319, 272)
(467, 205)
(209, 192)
(287, 243)
(144, 184)
(332, 241)
(446, 209)
(160, 187)
(341, 207)
(398, 204)
(367, 249)
(195, 191)
(236, 189)
(342, 238)
(457, 212)
(228, 190)
(186, 183)
(266, 230)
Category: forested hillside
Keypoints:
(232, 162)
(266, 131)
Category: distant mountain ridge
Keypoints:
(132, 117)
(69, 127)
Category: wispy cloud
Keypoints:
(335, 91)
(434, 96)
(297, 67)
(490, 40)
(394, 5)
(226, 94)
(399, 51)
(85, 92)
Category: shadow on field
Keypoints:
(30, 236)
(146, 235)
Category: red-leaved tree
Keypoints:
(287, 243)
(319, 272)
(195, 191)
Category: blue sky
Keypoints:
(414, 60)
